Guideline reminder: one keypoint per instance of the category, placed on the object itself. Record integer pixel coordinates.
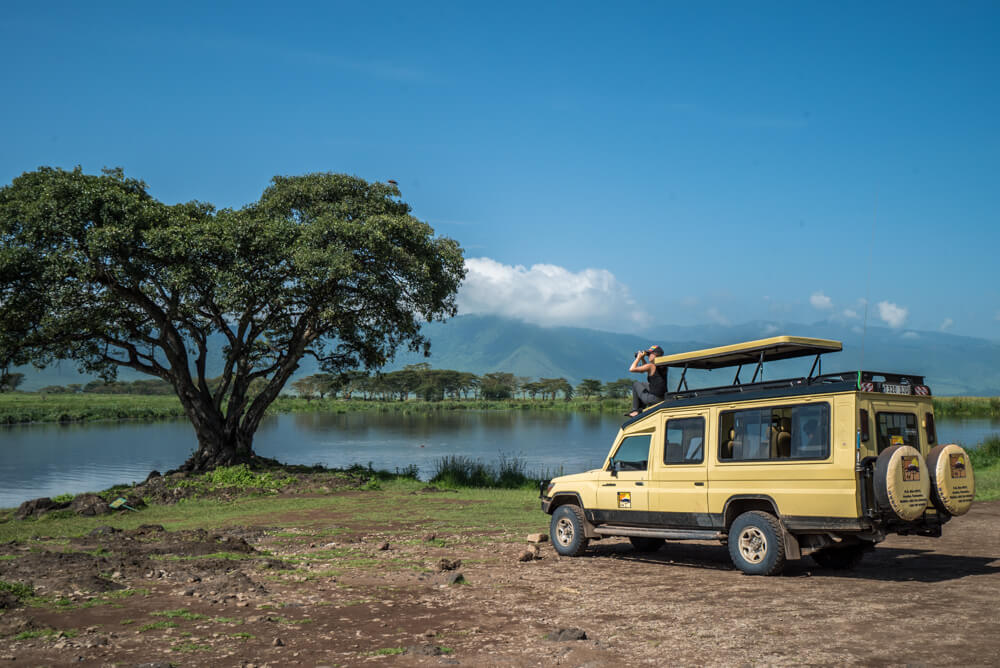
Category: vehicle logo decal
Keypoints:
(911, 468)
(957, 465)
(624, 499)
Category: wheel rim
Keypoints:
(753, 545)
(564, 531)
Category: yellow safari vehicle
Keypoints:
(825, 465)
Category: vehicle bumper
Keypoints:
(546, 504)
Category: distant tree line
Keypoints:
(423, 382)
(416, 380)
(142, 386)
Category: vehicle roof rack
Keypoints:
(750, 352)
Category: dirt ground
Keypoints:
(351, 594)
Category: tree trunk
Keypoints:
(218, 449)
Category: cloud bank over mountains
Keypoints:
(553, 296)
(549, 295)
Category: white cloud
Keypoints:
(716, 316)
(770, 328)
(851, 313)
(549, 295)
(946, 324)
(910, 335)
(820, 301)
(892, 314)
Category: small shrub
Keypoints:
(510, 472)
(986, 454)
(18, 589)
(157, 625)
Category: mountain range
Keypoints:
(951, 364)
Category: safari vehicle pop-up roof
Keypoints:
(775, 348)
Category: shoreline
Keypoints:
(25, 409)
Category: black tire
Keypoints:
(756, 545)
(643, 544)
(567, 531)
(839, 558)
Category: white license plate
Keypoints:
(895, 389)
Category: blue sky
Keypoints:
(616, 167)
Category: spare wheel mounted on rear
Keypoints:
(902, 486)
(953, 486)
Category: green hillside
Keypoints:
(953, 365)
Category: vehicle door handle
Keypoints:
(638, 484)
(608, 484)
(699, 484)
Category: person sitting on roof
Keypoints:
(652, 391)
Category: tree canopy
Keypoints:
(96, 270)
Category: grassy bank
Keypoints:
(382, 503)
(972, 407)
(24, 407)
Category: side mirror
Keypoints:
(615, 467)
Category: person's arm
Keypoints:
(637, 367)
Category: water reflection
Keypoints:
(51, 459)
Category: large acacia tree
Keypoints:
(94, 269)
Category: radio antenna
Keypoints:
(868, 289)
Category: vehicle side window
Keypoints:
(684, 441)
(632, 454)
(779, 432)
(896, 429)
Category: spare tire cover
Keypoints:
(952, 484)
(902, 485)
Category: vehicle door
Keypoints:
(678, 484)
(621, 490)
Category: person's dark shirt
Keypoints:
(658, 382)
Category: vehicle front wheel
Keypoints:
(643, 544)
(755, 543)
(566, 531)
(840, 558)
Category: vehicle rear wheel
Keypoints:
(567, 531)
(644, 544)
(839, 558)
(755, 543)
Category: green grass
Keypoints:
(46, 633)
(18, 589)
(467, 509)
(22, 407)
(966, 407)
(154, 626)
(180, 614)
(986, 466)
(460, 471)
(26, 407)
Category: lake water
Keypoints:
(51, 459)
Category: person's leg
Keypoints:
(648, 398)
(638, 387)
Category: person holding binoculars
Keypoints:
(652, 391)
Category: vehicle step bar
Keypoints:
(669, 534)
